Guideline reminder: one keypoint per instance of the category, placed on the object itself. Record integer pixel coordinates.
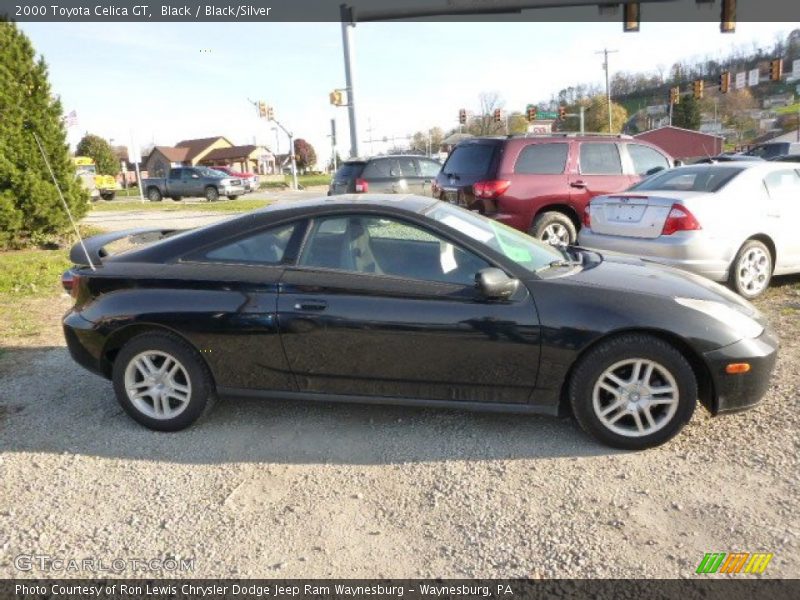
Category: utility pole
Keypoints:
(605, 52)
(583, 118)
(348, 24)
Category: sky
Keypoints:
(164, 82)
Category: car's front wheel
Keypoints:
(162, 382)
(212, 194)
(633, 392)
(751, 270)
(154, 195)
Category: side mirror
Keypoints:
(195, 176)
(494, 284)
(677, 162)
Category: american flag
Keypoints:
(71, 120)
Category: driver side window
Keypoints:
(382, 246)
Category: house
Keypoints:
(248, 159)
(684, 144)
(186, 153)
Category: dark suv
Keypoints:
(394, 174)
(542, 183)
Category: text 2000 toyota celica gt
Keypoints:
(408, 300)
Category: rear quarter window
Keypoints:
(542, 159)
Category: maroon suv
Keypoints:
(542, 183)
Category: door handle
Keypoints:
(578, 184)
(311, 305)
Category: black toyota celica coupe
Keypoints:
(408, 300)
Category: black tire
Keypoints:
(177, 198)
(232, 197)
(738, 278)
(195, 371)
(154, 194)
(211, 194)
(107, 195)
(592, 366)
(548, 223)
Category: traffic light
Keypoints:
(462, 116)
(699, 85)
(336, 97)
(776, 69)
(675, 95)
(262, 109)
(562, 112)
(724, 82)
(498, 115)
(530, 112)
(727, 22)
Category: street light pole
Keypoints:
(348, 25)
(605, 52)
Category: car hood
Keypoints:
(631, 274)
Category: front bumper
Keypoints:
(232, 190)
(733, 393)
(688, 250)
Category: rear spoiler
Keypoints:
(95, 246)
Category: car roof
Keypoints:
(364, 159)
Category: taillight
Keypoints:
(491, 188)
(70, 281)
(679, 219)
(587, 217)
(362, 187)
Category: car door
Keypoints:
(379, 306)
(174, 183)
(599, 172)
(783, 188)
(192, 183)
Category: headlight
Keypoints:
(738, 321)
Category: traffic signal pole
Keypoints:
(348, 24)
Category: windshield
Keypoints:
(205, 172)
(524, 250)
(689, 179)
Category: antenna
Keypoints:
(64, 202)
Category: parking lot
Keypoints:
(324, 490)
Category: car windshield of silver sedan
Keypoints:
(689, 179)
(522, 249)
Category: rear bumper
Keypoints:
(734, 393)
(687, 250)
(84, 343)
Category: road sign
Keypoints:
(547, 115)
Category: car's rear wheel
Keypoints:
(555, 228)
(212, 194)
(633, 392)
(751, 270)
(162, 382)
(232, 197)
(177, 198)
(154, 195)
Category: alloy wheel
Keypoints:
(157, 384)
(753, 270)
(635, 397)
(556, 234)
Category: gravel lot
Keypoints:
(281, 489)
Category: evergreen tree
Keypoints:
(29, 203)
(100, 151)
(686, 114)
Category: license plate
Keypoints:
(451, 196)
(629, 213)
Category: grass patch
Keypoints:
(170, 206)
(302, 180)
(31, 272)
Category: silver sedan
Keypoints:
(734, 222)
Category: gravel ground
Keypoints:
(280, 489)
